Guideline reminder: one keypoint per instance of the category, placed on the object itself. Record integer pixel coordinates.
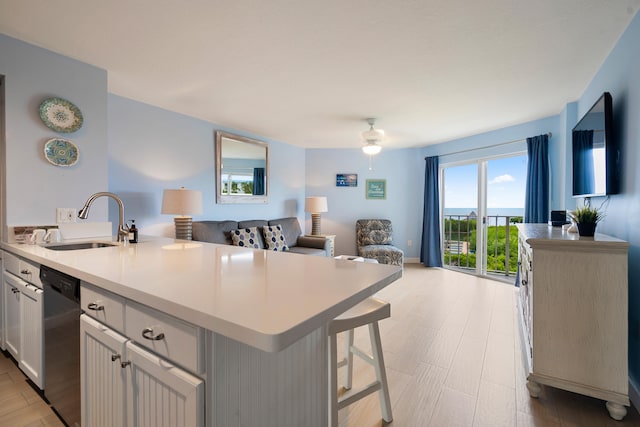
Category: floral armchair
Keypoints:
(374, 240)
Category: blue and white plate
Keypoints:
(60, 115)
(61, 152)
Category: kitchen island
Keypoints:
(260, 317)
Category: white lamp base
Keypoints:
(184, 227)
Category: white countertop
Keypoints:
(543, 235)
(261, 298)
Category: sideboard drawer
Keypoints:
(102, 305)
(178, 341)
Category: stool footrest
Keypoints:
(357, 395)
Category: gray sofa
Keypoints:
(220, 232)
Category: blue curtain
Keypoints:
(536, 204)
(258, 181)
(431, 248)
(583, 175)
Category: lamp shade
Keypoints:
(315, 204)
(181, 202)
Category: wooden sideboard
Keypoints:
(574, 315)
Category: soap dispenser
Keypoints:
(133, 232)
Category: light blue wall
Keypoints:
(34, 187)
(491, 144)
(404, 172)
(620, 75)
(151, 149)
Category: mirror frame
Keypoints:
(227, 198)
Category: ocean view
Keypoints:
(490, 211)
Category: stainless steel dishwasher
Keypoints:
(62, 343)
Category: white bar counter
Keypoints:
(265, 357)
(264, 299)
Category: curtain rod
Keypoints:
(549, 134)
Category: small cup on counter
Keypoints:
(37, 236)
(52, 236)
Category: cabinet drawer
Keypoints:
(30, 273)
(27, 271)
(178, 341)
(102, 305)
(11, 263)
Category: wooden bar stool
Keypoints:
(368, 312)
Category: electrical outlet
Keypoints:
(409, 243)
(65, 215)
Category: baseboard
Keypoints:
(634, 393)
(412, 260)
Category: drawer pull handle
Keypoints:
(115, 357)
(15, 290)
(95, 307)
(148, 334)
(25, 272)
(125, 364)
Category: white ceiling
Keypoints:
(309, 73)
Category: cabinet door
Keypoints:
(31, 344)
(2, 344)
(103, 378)
(11, 315)
(161, 394)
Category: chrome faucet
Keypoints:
(122, 230)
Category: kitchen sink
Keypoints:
(77, 246)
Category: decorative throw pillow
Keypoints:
(246, 237)
(274, 238)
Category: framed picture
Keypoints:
(376, 189)
(347, 180)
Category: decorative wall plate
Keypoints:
(60, 115)
(61, 152)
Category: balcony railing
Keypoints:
(460, 233)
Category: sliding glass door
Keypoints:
(482, 201)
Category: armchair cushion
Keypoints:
(374, 240)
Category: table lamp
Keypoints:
(182, 203)
(314, 206)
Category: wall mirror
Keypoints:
(242, 169)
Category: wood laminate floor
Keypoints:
(20, 405)
(452, 350)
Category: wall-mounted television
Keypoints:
(595, 151)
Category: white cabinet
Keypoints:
(11, 313)
(124, 384)
(23, 304)
(31, 358)
(573, 316)
(22, 310)
(160, 393)
(2, 344)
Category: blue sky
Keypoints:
(505, 188)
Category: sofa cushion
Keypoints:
(290, 228)
(307, 251)
(214, 231)
(258, 223)
(274, 238)
(246, 238)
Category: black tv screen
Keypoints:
(596, 154)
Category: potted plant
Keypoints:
(586, 219)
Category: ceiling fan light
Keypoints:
(373, 135)
(371, 148)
